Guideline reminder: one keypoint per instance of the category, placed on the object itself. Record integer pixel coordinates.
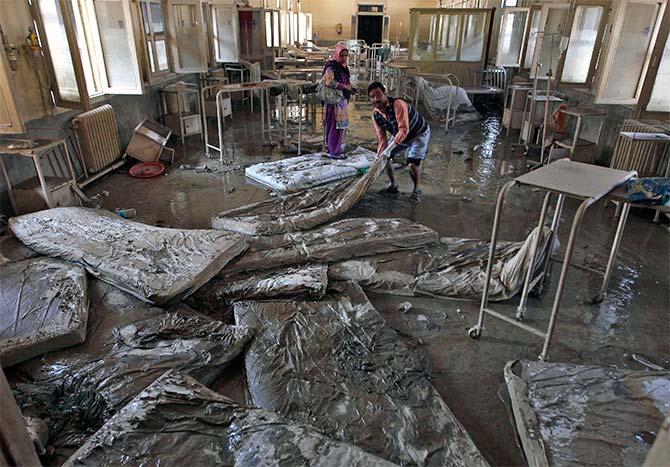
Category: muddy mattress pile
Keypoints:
(455, 268)
(129, 345)
(151, 263)
(177, 421)
(298, 173)
(44, 307)
(348, 238)
(298, 211)
(336, 364)
(586, 415)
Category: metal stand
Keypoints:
(565, 178)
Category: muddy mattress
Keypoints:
(586, 415)
(348, 238)
(298, 211)
(336, 364)
(130, 344)
(151, 263)
(298, 173)
(305, 281)
(44, 307)
(177, 421)
(454, 268)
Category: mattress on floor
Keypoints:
(348, 238)
(454, 268)
(336, 364)
(129, 345)
(304, 281)
(44, 307)
(298, 173)
(586, 415)
(298, 211)
(151, 263)
(177, 421)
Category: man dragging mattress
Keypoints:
(410, 132)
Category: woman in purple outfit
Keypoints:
(336, 75)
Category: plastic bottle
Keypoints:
(404, 307)
(126, 213)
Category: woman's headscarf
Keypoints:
(338, 50)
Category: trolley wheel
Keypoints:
(475, 332)
(519, 315)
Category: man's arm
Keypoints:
(382, 142)
(402, 117)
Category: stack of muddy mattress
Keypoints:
(348, 238)
(298, 211)
(336, 364)
(298, 173)
(586, 415)
(177, 421)
(44, 307)
(151, 263)
(129, 345)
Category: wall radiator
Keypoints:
(646, 157)
(98, 138)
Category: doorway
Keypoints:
(369, 28)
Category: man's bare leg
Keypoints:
(415, 173)
(393, 186)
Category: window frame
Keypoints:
(15, 122)
(173, 44)
(153, 77)
(610, 53)
(597, 47)
(662, 41)
(524, 36)
(540, 39)
(216, 57)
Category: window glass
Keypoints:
(472, 47)
(582, 44)
(447, 46)
(54, 29)
(631, 51)
(532, 38)
(512, 29)
(660, 95)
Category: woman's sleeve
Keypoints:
(329, 80)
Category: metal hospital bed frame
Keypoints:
(585, 182)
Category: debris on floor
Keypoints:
(348, 238)
(206, 428)
(151, 263)
(44, 308)
(128, 346)
(298, 211)
(298, 173)
(585, 415)
(455, 268)
(343, 360)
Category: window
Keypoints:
(90, 49)
(585, 35)
(660, 94)
(535, 17)
(513, 25)
(189, 47)
(451, 35)
(632, 40)
(224, 32)
(548, 43)
(156, 39)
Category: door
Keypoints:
(10, 121)
(224, 32)
(370, 28)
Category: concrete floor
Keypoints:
(462, 175)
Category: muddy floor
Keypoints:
(462, 174)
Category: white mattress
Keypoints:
(309, 170)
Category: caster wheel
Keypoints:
(519, 316)
(475, 333)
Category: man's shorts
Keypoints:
(416, 148)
